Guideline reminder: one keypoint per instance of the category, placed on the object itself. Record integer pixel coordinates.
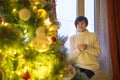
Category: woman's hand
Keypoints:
(81, 46)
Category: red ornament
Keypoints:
(26, 76)
(1, 19)
(53, 39)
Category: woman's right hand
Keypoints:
(81, 46)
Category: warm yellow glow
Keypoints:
(25, 68)
(31, 44)
(47, 22)
(26, 48)
(49, 39)
(10, 50)
(61, 76)
(41, 44)
(14, 10)
(53, 28)
(0, 50)
(34, 8)
(43, 49)
(37, 2)
(3, 23)
(6, 24)
(14, 52)
(25, 31)
(22, 59)
(44, 71)
(18, 72)
(42, 13)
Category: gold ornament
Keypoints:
(24, 14)
(42, 13)
(54, 27)
(40, 42)
(3, 73)
(41, 45)
(40, 32)
(70, 72)
(43, 71)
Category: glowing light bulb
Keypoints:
(14, 52)
(25, 31)
(19, 73)
(14, 10)
(6, 24)
(0, 50)
(47, 22)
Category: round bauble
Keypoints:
(42, 13)
(70, 72)
(40, 30)
(2, 74)
(1, 19)
(41, 44)
(53, 39)
(26, 76)
(24, 14)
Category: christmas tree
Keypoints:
(30, 47)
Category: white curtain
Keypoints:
(101, 28)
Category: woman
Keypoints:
(85, 49)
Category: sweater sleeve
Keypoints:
(95, 49)
(74, 52)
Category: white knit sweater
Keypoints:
(87, 58)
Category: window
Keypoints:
(66, 14)
(89, 13)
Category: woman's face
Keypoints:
(81, 26)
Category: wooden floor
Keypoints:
(101, 76)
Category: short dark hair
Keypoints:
(79, 19)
